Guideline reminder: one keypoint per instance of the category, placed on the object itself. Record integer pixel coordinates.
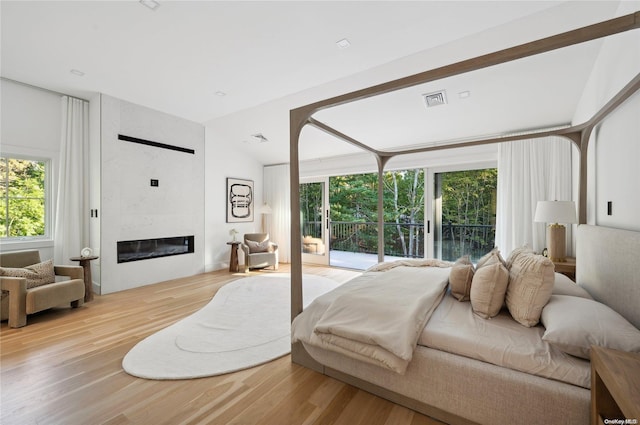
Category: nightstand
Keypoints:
(567, 267)
(615, 386)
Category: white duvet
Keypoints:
(376, 318)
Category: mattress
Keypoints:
(501, 341)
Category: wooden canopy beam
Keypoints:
(302, 116)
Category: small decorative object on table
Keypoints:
(86, 252)
(233, 233)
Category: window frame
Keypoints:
(26, 242)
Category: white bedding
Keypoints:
(502, 341)
(375, 318)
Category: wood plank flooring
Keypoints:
(64, 367)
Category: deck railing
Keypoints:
(406, 239)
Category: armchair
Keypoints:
(259, 251)
(22, 300)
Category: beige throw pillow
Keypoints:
(460, 278)
(488, 288)
(258, 246)
(36, 275)
(531, 279)
(525, 249)
(490, 258)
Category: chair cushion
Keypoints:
(36, 274)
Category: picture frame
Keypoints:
(240, 200)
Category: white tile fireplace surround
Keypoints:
(152, 188)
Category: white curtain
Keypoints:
(71, 231)
(278, 196)
(530, 171)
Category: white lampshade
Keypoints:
(555, 212)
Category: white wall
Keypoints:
(614, 152)
(30, 123)
(132, 209)
(223, 161)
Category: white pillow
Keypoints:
(563, 285)
(574, 324)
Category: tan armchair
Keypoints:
(22, 301)
(259, 251)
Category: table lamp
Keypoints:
(555, 212)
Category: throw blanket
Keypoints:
(376, 318)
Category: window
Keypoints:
(23, 189)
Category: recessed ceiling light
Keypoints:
(464, 94)
(77, 72)
(220, 93)
(343, 44)
(151, 4)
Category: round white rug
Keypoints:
(247, 323)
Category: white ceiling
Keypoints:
(269, 57)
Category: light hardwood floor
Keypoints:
(64, 367)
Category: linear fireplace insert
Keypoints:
(144, 249)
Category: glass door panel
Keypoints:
(464, 211)
(314, 221)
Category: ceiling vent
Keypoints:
(435, 98)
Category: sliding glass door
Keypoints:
(463, 209)
(314, 221)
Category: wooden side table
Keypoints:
(233, 261)
(567, 267)
(88, 283)
(615, 386)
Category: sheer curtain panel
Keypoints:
(278, 196)
(530, 171)
(71, 231)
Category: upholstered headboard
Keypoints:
(608, 267)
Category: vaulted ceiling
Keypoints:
(238, 67)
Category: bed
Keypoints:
(480, 382)
(454, 386)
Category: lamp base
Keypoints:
(556, 240)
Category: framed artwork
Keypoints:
(239, 200)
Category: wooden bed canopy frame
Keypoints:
(578, 134)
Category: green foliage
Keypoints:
(468, 200)
(469, 197)
(22, 188)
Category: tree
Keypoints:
(22, 188)
(468, 199)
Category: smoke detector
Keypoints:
(435, 98)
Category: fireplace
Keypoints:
(144, 249)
